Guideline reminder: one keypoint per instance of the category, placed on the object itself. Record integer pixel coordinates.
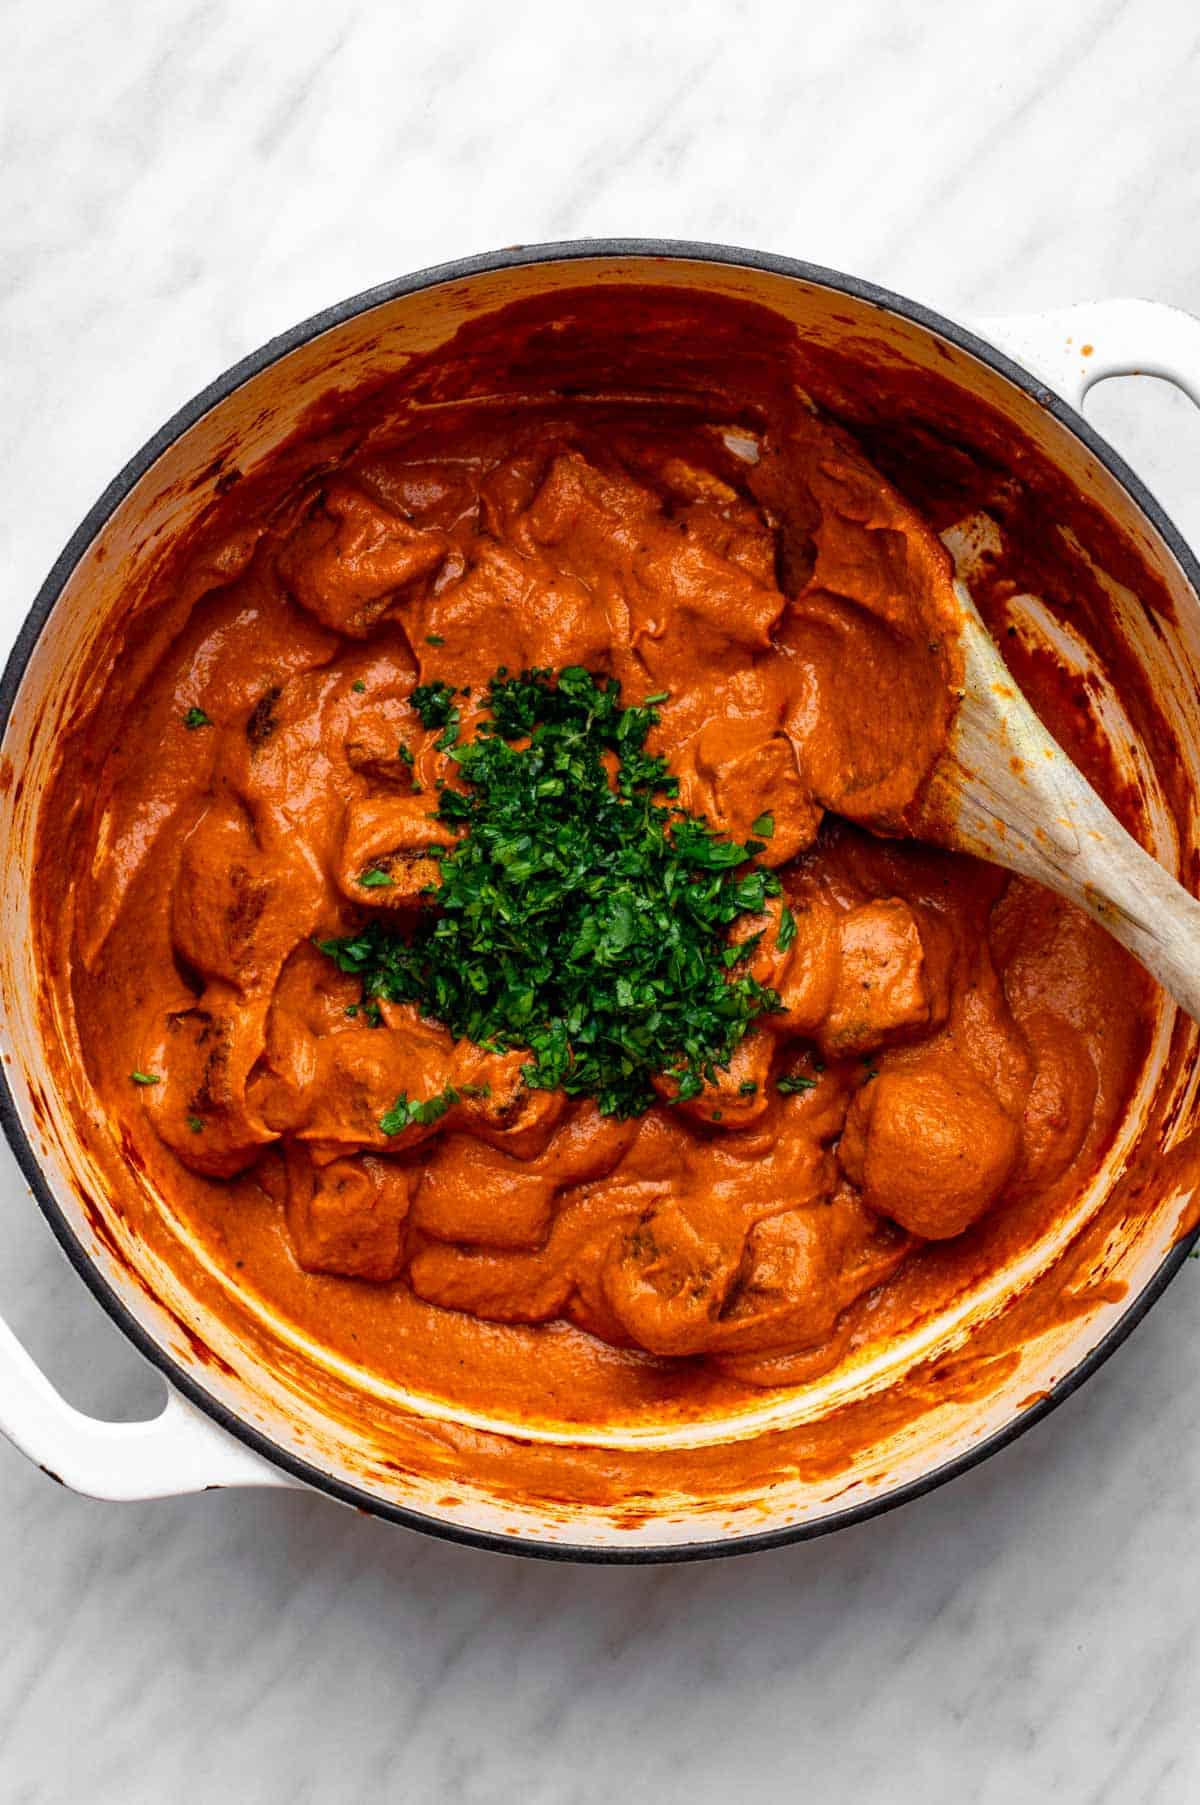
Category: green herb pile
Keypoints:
(583, 917)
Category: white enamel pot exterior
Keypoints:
(234, 1419)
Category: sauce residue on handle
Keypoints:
(956, 1046)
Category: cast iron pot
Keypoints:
(235, 1414)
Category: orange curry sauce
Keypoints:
(973, 1039)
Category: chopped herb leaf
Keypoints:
(580, 917)
(747, 1087)
(659, 696)
(787, 929)
(358, 686)
(405, 1114)
(690, 1085)
(434, 702)
(374, 879)
(403, 753)
(196, 1124)
(765, 825)
(196, 717)
(145, 1077)
(351, 1010)
(434, 639)
(792, 1082)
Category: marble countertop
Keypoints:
(182, 181)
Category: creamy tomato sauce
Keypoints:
(956, 1045)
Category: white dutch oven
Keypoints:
(236, 1415)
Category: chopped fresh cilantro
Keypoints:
(405, 1113)
(792, 1082)
(581, 917)
(145, 1077)
(787, 929)
(434, 639)
(196, 717)
(403, 753)
(747, 1087)
(374, 879)
(765, 825)
(434, 702)
(358, 686)
(196, 1124)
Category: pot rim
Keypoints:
(567, 250)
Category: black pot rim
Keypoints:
(247, 367)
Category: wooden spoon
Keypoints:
(1004, 790)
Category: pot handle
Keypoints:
(1073, 348)
(178, 1451)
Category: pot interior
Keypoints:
(808, 1455)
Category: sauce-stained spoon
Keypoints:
(1005, 790)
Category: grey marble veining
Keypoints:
(181, 181)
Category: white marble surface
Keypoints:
(179, 182)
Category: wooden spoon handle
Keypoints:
(1153, 917)
(1007, 791)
